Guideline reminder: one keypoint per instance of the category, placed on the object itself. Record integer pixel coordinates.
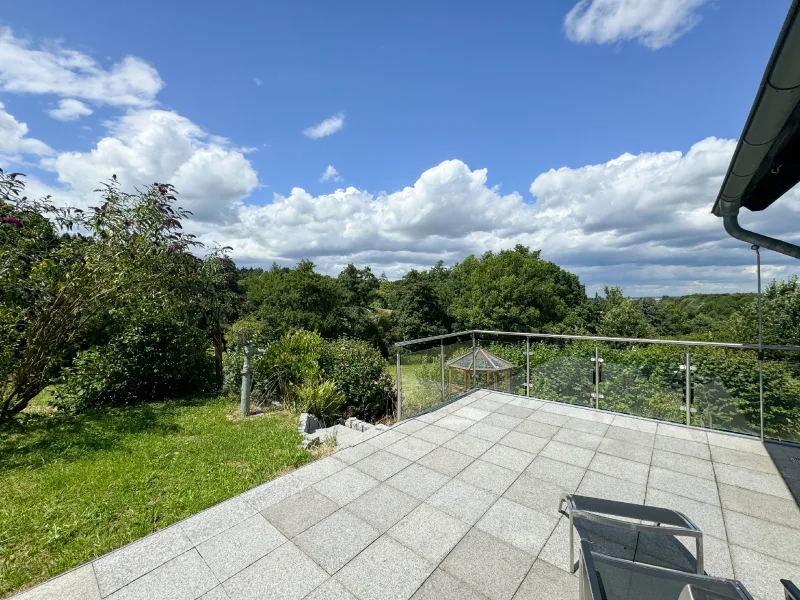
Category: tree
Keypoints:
(513, 290)
(300, 298)
(418, 309)
(622, 317)
(128, 246)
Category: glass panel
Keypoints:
(458, 366)
(420, 380)
(500, 363)
(644, 380)
(561, 370)
(725, 383)
(782, 395)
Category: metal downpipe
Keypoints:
(731, 223)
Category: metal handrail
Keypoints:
(596, 338)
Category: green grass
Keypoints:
(75, 487)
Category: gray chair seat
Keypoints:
(609, 578)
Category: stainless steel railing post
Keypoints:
(441, 364)
(760, 347)
(399, 389)
(688, 368)
(528, 367)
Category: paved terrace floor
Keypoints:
(459, 504)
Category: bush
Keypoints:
(323, 400)
(358, 370)
(279, 367)
(155, 355)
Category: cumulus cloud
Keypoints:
(70, 109)
(150, 145)
(328, 127)
(330, 174)
(14, 140)
(652, 24)
(642, 221)
(53, 69)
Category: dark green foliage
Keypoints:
(359, 371)
(513, 290)
(418, 307)
(286, 299)
(153, 354)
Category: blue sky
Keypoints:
(446, 89)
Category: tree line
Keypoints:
(118, 304)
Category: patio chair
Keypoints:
(604, 577)
(792, 593)
(632, 532)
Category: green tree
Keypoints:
(622, 317)
(286, 299)
(513, 290)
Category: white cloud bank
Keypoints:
(642, 221)
(70, 109)
(653, 23)
(328, 127)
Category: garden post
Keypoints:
(247, 378)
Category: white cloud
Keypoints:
(150, 145)
(257, 81)
(52, 69)
(330, 174)
(14, 140)
(328, 127)
(642, 221)
(70, 109)
(654, 24)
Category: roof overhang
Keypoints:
(766, 163)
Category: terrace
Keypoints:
(459, 501)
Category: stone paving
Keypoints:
(459, 503)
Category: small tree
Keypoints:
(128, 246)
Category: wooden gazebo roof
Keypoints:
(485, 361)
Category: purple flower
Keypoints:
(171, 249)
(25, 259)
(12, 221)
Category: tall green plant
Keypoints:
(128, 246)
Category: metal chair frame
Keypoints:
(597, 509)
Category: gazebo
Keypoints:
(492, 369)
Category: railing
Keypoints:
(743, 388)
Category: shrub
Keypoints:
(322, 399)
(155, 355)
(359, 371)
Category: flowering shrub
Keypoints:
(358, 369)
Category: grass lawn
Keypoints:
(75, 487)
